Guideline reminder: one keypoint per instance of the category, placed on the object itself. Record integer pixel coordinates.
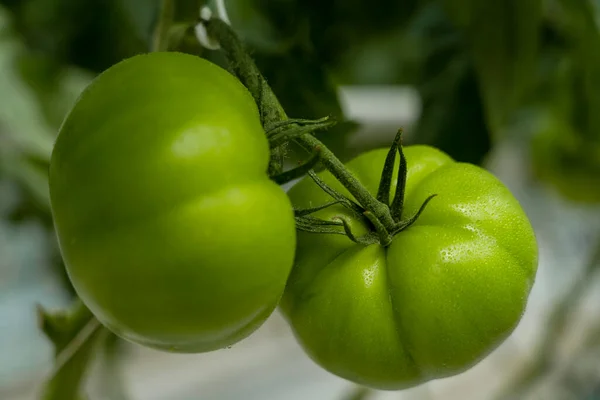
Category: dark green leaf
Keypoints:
(502, 40)
(282, 37)
(566, 147)
(577, 22)
(452, 116)
(92, 34)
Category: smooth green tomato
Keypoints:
(446, 292)
(170, 229)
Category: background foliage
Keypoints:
(485, 70)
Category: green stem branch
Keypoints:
(272, 112)
(246, 70)
(243, 66)
(347, 179)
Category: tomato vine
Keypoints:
(381, 211)
(384, 216)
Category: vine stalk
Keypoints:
(243, 66)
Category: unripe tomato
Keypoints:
(445, 292)
(170, 229)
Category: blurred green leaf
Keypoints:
(453, 120)
(30, 176)
(279, 35)
(56, 86)
(453, 117)
(567, 160)
(502, 40)
(269, 27)
(36, 94)
(566, 146)
(338, 26)
(24, 134)
(172, 26)
(577, 22)
(74, 334)
(304, 89)
(92, 34)
(24, 128)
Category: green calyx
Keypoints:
(382, 231)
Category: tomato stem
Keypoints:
(244, 68)
(366, 240)
(384, 218)
(287, 132)
(346, 202)
(314, 225)
(385, 239)
(277, 126)
(347, 179)
(295, 173)
(308, 211)
(272, 112)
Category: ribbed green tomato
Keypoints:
(170, 229)
(448, 290)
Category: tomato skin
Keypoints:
(170, 229)
(446, 292)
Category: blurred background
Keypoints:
(512, 85)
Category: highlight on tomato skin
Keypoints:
(171, 231)
(446, 292)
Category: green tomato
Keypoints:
(445, 292)
(170, 229)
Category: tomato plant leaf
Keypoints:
(74, 334)
(502, 40)
(452, 116)
(281, 37)
(566, 146)
(578, 25)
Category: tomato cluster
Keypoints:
(175, 237)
